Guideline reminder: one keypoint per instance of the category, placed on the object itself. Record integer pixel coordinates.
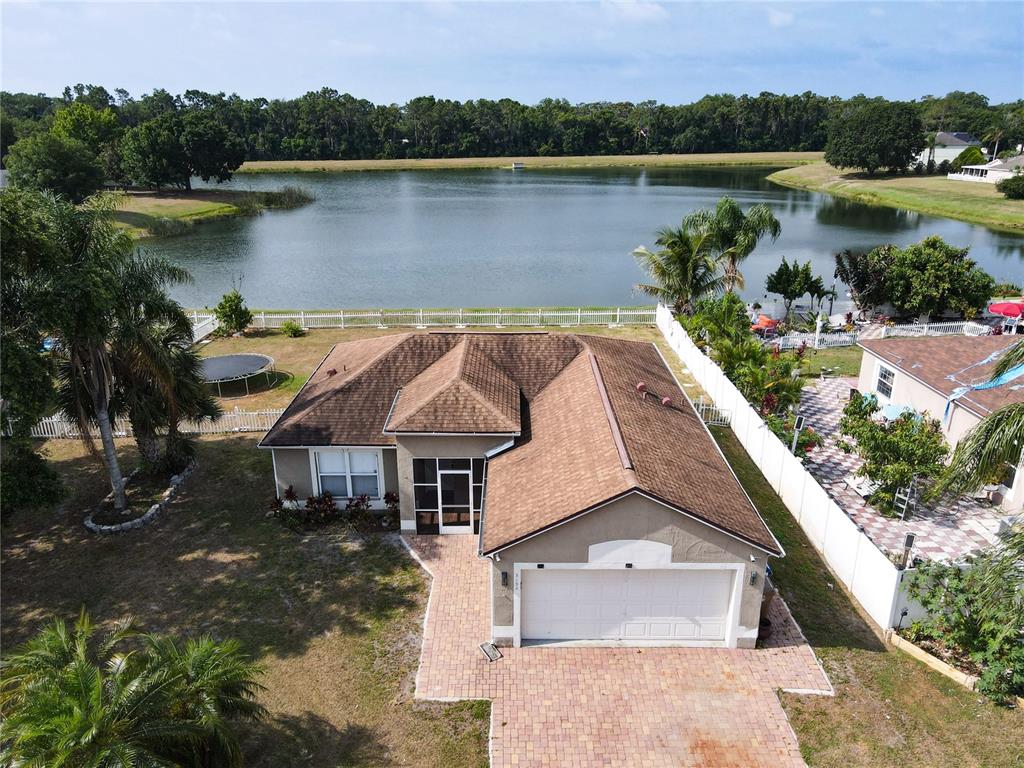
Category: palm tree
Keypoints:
(734, 234)
(157, 370)
(929, 142)
(993, 443)
(72, 698)
(91, 245)
(994, 134)
(682, 269)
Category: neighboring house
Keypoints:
(603, 503)
(991, 172)
(926, 373)
(948, 145)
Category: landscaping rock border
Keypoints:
(151, 513)
(963, 678)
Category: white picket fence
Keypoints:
(953, 328)
(815, 340)
(57, 426)
(872, 578)
(425, 318)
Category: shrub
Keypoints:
(1006, 288)
(292, 329)
(897, 453)
(970, 156)
(783, 428)
(944, 167)
(963, 618)
(1012, 187)
(26, 480)
(232, 314)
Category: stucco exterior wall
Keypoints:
(633, 517)
(411, 447)
(906, 390)
(291, 466)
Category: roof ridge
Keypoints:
(613, 421)
(434, 393)
(477, 394)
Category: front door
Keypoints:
(456, 503)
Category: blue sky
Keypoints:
(582, 51)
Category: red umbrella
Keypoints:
(1007, 308)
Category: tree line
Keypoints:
(163, 139)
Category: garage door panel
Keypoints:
(625, 604)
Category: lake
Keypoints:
(518, 238)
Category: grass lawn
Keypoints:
(966, 200)
(335, 621)
(295, 359)
(889, 710)
(778, 159)
(845, 361)
(174, 212)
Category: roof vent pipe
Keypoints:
(642, 389)
(332, 371)
(667, 402)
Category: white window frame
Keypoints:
(878, 379)
(314, 468)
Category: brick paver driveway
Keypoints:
(637, 707)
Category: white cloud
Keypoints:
(778, 19)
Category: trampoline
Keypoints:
(226, 368)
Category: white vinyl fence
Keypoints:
(425, 318)
(954, 328)
(58, 426)
(859, 564)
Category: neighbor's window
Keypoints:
(349, 473)
(885, 379)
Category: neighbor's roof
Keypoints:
(955, 139)
(945, 363)
(584, 434)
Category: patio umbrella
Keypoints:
(1007, 308)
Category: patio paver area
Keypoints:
(584, 706)
(943, 533)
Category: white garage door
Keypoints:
(625, 604)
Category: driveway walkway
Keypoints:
(583, 707)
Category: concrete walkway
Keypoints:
(583, 707)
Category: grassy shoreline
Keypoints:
(766, 159)
(149, 214)
(933, 195)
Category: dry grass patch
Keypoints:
(767, 159)
(335, 621)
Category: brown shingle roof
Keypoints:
(587, 435)
(465, 391)
(945, 363)
(572, 462)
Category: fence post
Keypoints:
(342, 313)
(618, 311)
(579, 315)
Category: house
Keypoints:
(602, 502)
(948, 145)
(991, 172)
(934, 375)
